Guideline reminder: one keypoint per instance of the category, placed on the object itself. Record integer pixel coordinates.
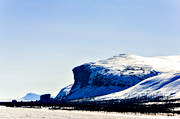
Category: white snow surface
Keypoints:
(165, 83)
(30, 113)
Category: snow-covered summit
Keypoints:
(158, 63)
(123, 72)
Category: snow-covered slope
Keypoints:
(166, 84)
(127, 76)
(64, 92)
(31, 97)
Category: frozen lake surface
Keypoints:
(30, 113)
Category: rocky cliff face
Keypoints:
(98, 76)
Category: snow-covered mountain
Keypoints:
(126, 76)
(31, 97)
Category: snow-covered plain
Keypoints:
(126, 76)
(30, 113)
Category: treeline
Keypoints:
(143, 105)
(159, 105)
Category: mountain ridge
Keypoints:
(113, 76)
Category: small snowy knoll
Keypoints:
(31, 97)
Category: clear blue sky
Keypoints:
(42, 40)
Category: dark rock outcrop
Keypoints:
(91, 77)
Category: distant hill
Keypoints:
(31, 97)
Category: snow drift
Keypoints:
(125, 76)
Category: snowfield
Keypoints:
(125, 76)
(30, 113)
